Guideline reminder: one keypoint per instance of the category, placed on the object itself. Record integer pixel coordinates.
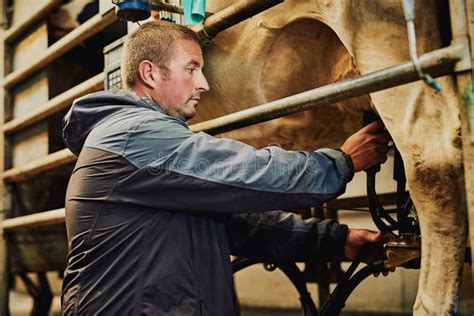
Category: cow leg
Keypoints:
(283, 59)
(426, 129)
(436, 190)
(425, 126)
(436, 186)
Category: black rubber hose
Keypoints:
(296, 277)
(380, 210)
(341, 284)
(337, 301)
(242, 263)
(374, 207)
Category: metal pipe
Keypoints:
(163, 6)
(231, 16)
(439, 62)
(458, 15)
(460, 33)
(409, 12)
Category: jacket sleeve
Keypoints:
(282, 236)
(176, 169)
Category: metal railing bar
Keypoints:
(439, 62)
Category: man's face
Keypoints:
(179, 89)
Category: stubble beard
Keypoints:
(188, 111)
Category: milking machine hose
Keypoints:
(337, 300)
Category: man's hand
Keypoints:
(368, 146)
(371, 242)
(365, 240)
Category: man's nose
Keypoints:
(202, 83)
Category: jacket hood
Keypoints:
(91, 110)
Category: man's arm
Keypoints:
(177, 170)
(161, 164)
(282, 236)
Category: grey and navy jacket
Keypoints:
(153, 210)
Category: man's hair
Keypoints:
(153, 41)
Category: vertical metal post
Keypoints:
(462, 26)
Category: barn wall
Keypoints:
(50, 55)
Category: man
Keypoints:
(153, 211)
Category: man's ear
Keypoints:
(148, 75)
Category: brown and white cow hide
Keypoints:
(300, 45)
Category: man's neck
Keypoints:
(145, 96)
(141, 92)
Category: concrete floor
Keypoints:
(266, 312)
(20, 305)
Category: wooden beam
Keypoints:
(3, 17)
(56, 104)
(34, 220)
(39, 12)
(4, 196)
(4, 286)
(72, 39)
(49, 162)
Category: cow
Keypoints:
(303, 44)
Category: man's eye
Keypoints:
(191, 70)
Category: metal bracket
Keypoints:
(402, 249)
(200, 30)
(157, 5)
(409, 11)
(465, 63)
(459, 29)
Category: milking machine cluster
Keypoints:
(402, 249)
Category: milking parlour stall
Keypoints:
(294, 75)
